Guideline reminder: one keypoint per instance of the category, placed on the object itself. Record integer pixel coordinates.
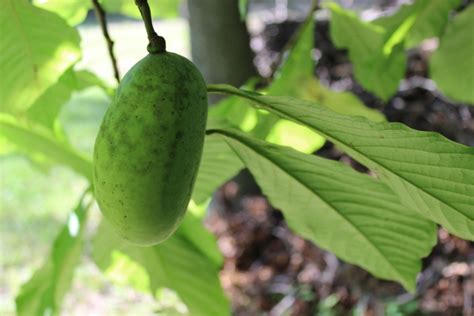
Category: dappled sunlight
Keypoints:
(46, 57)
(249, 121)
(73, 225)
(398, 36)
(65, 55)
(197, 210)
(125, 271)
(298, 137)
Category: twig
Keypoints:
(100, 14)
(157, 43)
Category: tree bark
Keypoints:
(220, 41)
(220, 48)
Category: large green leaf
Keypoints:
(379, 62)
(428, 172)
(293, 77)
(37, 48)
(353, 215)
(452, 65)
(159, 8)
(418, 21)
(218, 165)
(297, 64)
(74, 12)
(44, 292)
(235, 111)
(40, 143)
(341, 102)
(193, 230)
(84, 79)
(176, 264)
(46, 108)
(296, 79)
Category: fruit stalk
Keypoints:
(157, 44)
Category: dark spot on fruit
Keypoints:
(179, 134)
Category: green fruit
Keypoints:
(149, 147)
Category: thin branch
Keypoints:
(157, 43)
(100, 14)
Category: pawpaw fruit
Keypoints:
(149, 146)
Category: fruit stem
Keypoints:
(157, 44)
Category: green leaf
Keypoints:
(123, 271)
(424, 19)
(159, 9)
(235, 111)
(175, 264)
(243, 8)
(74, 12)
(292, 78)
(295, 78)
(38, 47)
(378, 65)
(44, 292)
(218, 165)
(40, 143)
(296, 136)
(353, 215)
(340, 102)
(452, 65)
(193, 230)
(46, 108)
(85, 79)
(297, 65)
(428, 172)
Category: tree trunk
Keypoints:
(220, 47)
(220, 41)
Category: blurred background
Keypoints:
(267, 269)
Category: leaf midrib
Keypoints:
(369, 241)
(294, 118)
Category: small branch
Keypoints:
(100, 14)
(157, 43)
